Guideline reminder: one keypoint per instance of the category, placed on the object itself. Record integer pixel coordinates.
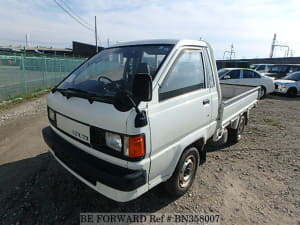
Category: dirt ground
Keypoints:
(256, 181)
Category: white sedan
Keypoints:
(247, 77)
(289, 85)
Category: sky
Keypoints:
(247, 24)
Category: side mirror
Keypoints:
(226, 77)
(142, 87)
(122, 101)
(141, 91)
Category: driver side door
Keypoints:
(183, 107)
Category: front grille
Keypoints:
(97, 137)
(98, 142)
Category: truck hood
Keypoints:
(98, 114)
(284, 81)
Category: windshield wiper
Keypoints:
(71, 89)
(81, 91)
(70, 92)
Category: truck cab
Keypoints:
(139, 114)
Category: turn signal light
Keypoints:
(136, 146)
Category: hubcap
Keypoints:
(187, 171)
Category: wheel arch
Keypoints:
(199, 145)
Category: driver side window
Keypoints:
(186, 75)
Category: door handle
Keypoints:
(206, 101)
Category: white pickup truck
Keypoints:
(139, 114)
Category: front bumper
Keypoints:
(279, 89)
(113, 181)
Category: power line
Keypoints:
(72, 16)
(75, 14)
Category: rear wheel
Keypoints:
(184, 174)
(223, 140)
(235, 135)
(292, 92)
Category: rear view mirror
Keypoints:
(142, 87)
(226, 77)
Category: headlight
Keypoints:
(51, 114)
(113, 141)
(133, 147)
(282, 86)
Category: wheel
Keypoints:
(235, 135)
(292, 92)
(184, 174)
(222, 141)
(262, 93)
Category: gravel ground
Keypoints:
(256, 181)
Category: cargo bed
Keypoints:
(236, 99)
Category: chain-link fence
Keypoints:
(25, 74)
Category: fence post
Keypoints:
(24, 74)
(60, 69)
(45, 73)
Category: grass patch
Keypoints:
(22, 98)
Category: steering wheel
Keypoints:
(105, 78)
(111, 86)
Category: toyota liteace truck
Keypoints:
(139, 114)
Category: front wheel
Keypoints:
(292, 92)
(235, 135)
(184, 174)
(263, 92)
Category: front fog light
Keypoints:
(113, 141)
(51, 114)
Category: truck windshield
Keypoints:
(113, 69)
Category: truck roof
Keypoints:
(162, 41)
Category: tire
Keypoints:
(292, 92)
(184, 174)
(222, 141)
(263, 92)
(235, 135)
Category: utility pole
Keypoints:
(281, 46)
(231, 52)
(27, 40)
(96, 36)
(273, 46)
(107, 42)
